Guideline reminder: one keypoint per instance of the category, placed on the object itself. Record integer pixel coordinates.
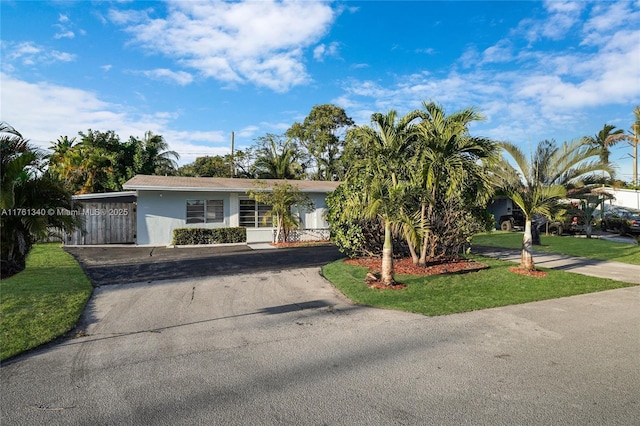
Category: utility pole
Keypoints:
(233, 159)
(635, 162)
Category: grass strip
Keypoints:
(450, 294)
(42, 302)
(592, 248)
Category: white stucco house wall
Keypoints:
(627, 198)
(165, 203)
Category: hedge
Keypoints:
(194, 236)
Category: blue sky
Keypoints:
(195, 71)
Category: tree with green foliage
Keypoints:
(100, 162)
(634, 138)
(536, 185)
(322, 134)
(282, 197)
(604, 139)
(224, 166)
(277, 158)
(208, 166)
(357, 237)
(385, 191)
(447, 162)
(152, 156)
(30, 199)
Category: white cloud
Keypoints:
(247, 132)
(64, 33)
(180, 77)
(258, 42)
(609, 18)
(29, 53)
(324, 51)
(63, 28)
(526, 93)
(427, 51)
(42, 112)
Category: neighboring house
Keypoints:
(165, 203)
(627, 198)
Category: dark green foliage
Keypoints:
(100, 162)
(277, 158)
(28, 197)
(322, 136)
(356, 238)
(195, 236)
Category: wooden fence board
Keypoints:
(104, 223)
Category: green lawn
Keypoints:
(42, 302)
(591, 248)
(448, 294)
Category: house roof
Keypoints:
(180, 183)
(105, 196)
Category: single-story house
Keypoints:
(165, 203)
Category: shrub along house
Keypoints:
(165, 203)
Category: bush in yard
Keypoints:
(196, 236)
(357, 238)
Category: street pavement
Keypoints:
(282, 347)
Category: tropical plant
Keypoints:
(385, 192)
(282, 197)
(31, 201)
(537, 184)
(100, 162)
(447, 162)
(634, 138)
(153, 157)
(277, 158)
(357, 237)
(604, 139)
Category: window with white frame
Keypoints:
(252, 214)
(205, 211)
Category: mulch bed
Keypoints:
(302, 244)
(536, 274)
(407, 267)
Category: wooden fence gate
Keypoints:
(103, 223)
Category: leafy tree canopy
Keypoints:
(322, 135)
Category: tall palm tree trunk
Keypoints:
(387, 256)
(427, 234)
(526, 260)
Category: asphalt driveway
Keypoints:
(283, 347)
(108, 265)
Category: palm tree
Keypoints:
(635, 131)
(604, 139)
(277, 159)
(536, 185)
(529, 193)
(153, 156)
(384, 194)
(448, 159)
(30, 198)
(281, 198)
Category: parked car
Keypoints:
(572, 222)
(622, 221)
(510, 221)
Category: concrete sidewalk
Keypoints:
(580, 265)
